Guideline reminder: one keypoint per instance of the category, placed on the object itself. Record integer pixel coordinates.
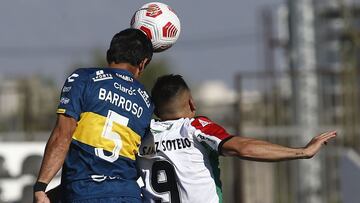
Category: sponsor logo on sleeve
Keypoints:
(207, 139)
(72, 77)
(66, 89)
(145, 97)
(100, 76)
(64, 100)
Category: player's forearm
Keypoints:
(56, 149)
(54, 156)
(266, 151)
(258, 150)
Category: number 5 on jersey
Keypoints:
(108, 133)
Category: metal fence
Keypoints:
(265, 110)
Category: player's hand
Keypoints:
(41, 197)
(54, 194)
(315, 144)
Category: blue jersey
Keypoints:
(113, 112)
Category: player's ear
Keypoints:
(143, 64)
(192, 105)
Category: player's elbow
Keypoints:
(239, 148)
(245, 151)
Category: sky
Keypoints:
(217, 40)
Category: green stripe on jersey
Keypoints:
(214, 163)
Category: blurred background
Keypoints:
(280, 70)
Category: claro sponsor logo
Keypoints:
(130, 91)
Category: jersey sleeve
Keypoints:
(210, 133)
(72, 93)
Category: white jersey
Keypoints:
(178, 161)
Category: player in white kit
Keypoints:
(178, 160)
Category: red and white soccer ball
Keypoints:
(159, 22)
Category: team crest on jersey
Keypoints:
(100, 76)
(203, 123)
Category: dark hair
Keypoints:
(165, 88)
(129, 46)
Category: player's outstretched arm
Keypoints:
(258, 150)
(55, 152)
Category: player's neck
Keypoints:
(124, 66)
(176, 116)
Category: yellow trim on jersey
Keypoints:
(90, 128)
(61, 111)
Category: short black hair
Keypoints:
(166, 88)
(129, 46)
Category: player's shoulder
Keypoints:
(81, 73)
(202, 118)
(95, 71)
(125, 77)
(209, 131)
(85, 70)
(201, 122)
(98, 74)
(206, 125)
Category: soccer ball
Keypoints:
(159, 22)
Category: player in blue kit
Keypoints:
(102, 116)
